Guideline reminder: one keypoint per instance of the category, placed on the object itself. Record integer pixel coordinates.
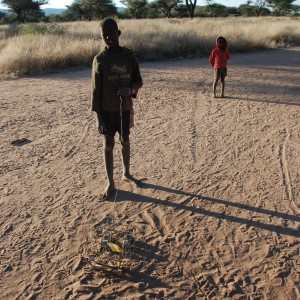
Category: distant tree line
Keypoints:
(30, 10)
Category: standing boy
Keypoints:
(218, 59)
(116, 79)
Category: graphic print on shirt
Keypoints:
(118, 72)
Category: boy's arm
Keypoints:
(137, 81)
(96, 91)
(212, 58)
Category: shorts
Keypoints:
(220, 73)
(112, 122)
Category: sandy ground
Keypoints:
(218, 212)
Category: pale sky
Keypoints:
(63, 3)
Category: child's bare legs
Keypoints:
(126, 161)
(222, 87)
(109, 141)
(214, 88)
(216, 79)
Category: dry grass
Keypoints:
(27, 54)
(42, 48)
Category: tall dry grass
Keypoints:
(42, 48)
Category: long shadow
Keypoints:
(224, 202)
(258, 100)
(129, 196)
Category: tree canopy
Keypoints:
(280, 6)
(136, 8)
(92, 9)
(165, 6)
(22, 8)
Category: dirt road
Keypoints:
(218, 212)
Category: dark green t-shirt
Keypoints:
(110, 72)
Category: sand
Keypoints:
(218, 212)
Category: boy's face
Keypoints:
(110, 34)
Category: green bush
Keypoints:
(33, 29)
(37, 29)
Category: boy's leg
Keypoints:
(125, 155)
(109, 164)
(126, 160)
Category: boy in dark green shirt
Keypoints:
(116, 79)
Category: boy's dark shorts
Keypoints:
(220, 73)
(112, 122)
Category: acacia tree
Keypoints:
(246, 9)
(216, 10)
(182, 11)
(22, 8)
(212, 7)
(90, 9)
(296, 10)
(281, 6)
(105, 8)
(75, 10)
(259, 5)
(136, 8)
(191, 5)
(165, 6)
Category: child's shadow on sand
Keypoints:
(130, 196)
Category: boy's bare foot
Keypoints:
(215, 96)
(222, 96)
(129, 178)
(107, 192)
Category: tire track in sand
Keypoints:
(285, 173)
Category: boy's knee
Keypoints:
(124, 140)
(108, 148)
(109, 143)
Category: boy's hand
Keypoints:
(101, 127)
(125, 91)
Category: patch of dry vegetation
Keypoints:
(38, 48)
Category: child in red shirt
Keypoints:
(218, 59)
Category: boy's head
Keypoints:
(221, 43)
(110, 33)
